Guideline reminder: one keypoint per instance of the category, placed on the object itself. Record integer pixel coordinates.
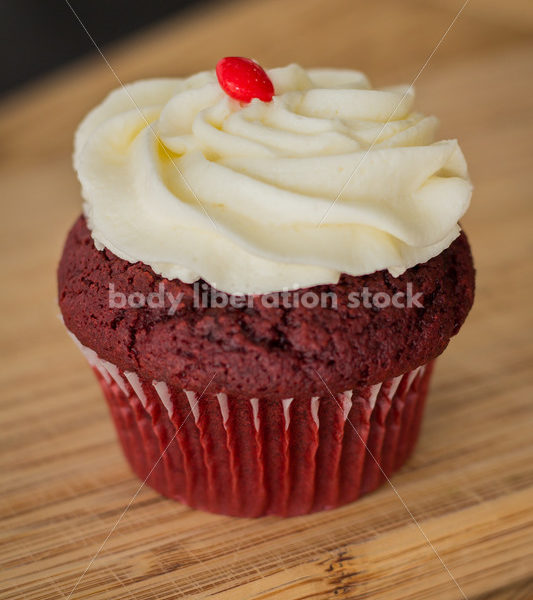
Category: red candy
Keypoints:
(243, 79)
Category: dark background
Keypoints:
(37, 36)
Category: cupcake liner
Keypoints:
(256, 457)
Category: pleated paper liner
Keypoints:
(256, 457)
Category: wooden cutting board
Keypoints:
(75, 523)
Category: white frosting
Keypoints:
(198, 185)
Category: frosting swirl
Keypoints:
(178, 175)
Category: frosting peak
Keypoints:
(180, 176)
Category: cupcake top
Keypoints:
(270, 346)
(331, 176)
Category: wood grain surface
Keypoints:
(65, 484)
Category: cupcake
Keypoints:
(266, 267)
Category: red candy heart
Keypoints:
(243, 79)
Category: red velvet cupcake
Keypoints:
(261, 287)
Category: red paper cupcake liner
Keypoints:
(255, 457)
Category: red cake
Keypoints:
(262, 395)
